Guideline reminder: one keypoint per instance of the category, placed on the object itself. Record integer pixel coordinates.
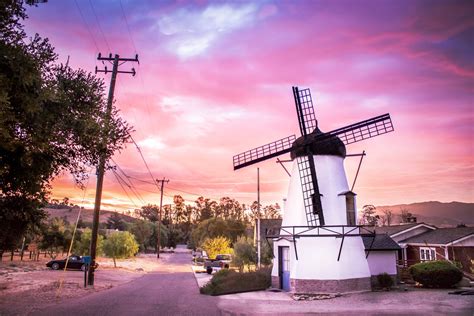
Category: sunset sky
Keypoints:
(215, 79)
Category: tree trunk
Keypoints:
(13, 253)
(115, 264)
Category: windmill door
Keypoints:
(284, 267)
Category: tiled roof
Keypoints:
(391, 230)
(441, 236)
(381, 242)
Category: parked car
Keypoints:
(221, 261)
(75, 262)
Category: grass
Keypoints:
(228, 281)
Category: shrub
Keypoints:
(437, 274)
(244, 253)
(215, 246)
(120, 245)
(385, 280)
(228, 281)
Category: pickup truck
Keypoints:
(221, 261)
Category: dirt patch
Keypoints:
(27, 285)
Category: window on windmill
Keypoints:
(350, 209)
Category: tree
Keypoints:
(115, 221)
(55, 236)
(120, 245)
(142, 230)
(214, 227)
(387, 217)
(217, 245)
(368, 217)
(148, 212)
(244, 253)
(82, 244)
(405, 216)
(51, 121)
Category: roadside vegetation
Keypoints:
(227, 281)
(436, 274)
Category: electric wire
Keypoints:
(123, 188)
(87, 26)
(100, 27)
(128, 27)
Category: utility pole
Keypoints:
(102, 161)
(258, 219)
(158, 239)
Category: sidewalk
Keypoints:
(415, 301)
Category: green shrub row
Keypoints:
(228, 281)
(436, 274)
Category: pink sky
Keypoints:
(215, 79)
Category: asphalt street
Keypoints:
(170, 291)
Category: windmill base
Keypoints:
(326, 286)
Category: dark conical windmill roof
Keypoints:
(331, 146)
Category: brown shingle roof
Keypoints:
(441, 236)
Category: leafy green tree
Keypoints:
(143, 230)
(368, 216)
(55, 236)
(51, 121)
(82, 244)
(120, 245)
(217, 245)
(115, 221)
(244, 253)
(215, 227)
(148, 212)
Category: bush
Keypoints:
(228, 281)
(215, 246)
(244, 253)
(120, 245)
(385, 280)
(437, 274)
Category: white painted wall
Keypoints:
(382, 261)
(317, 256)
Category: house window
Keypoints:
(350, 210)
(427, 254)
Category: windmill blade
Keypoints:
(305, 110)
(309, 185)
(279, 147)
(362, 130)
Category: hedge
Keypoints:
(436, 274)
(227, 281)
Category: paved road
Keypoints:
(170, 291)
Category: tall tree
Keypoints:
(51, 121)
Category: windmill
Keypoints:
(311, 142)
(319, 212)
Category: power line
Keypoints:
(100, 28)
(87, 26)
(123, 188)
(128, 27)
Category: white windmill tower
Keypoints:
(320, 216)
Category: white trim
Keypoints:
(430, 251)
(460, 239)
(412, 228)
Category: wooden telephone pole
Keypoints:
(101, 167)
(158, 239)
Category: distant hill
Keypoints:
(436, 213)
(86, 215)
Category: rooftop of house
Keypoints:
(441, 236)
(270, 226)
(392, 230)
(381, 242)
